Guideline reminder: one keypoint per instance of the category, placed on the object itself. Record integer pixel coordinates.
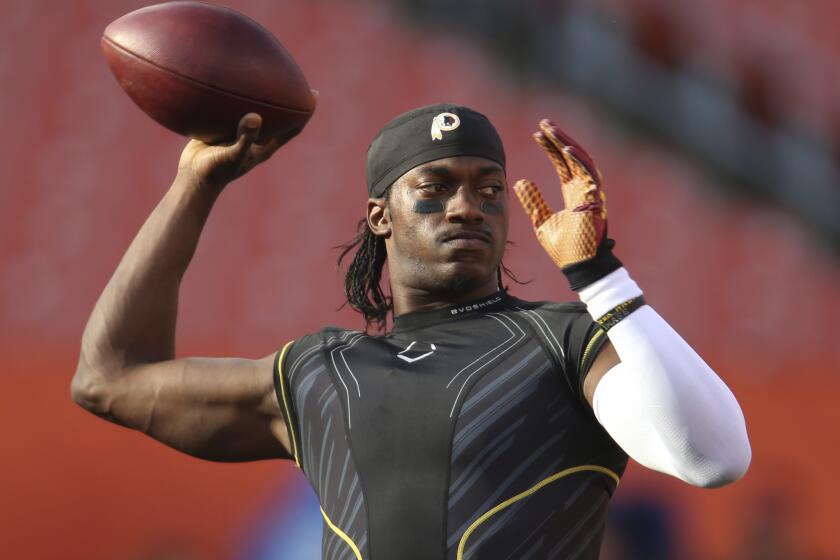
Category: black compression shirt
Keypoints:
(461, 434)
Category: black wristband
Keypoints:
(614, 316)
(584, 273)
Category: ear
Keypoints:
(379, 217)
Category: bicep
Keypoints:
(221, 409)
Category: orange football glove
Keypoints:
(575, 233)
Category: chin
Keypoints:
(463, 277)
(458, 284)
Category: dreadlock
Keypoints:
(362, 283)
(509, 273)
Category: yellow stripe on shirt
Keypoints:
(286, 408)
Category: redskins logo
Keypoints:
(444, 122)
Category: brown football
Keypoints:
(197, 68)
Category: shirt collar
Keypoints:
(418, 319)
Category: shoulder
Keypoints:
(326, 336)
(315, 344)
(566, 312)
(572, 328)
(571, 325)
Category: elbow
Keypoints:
(89, 390)
(721, 471)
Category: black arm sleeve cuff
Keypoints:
(584, 273)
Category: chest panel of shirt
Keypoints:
(401, 414)
(414, 404)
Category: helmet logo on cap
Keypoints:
(444, 122)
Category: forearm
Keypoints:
(663, 404)
(134, 319)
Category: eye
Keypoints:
(491, 190)
(433, 188)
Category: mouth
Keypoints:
(467, 239)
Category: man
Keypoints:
(481, 425)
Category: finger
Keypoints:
(246, 134)
(556, 157)
(532, 201)
(569, 147)
(249, 127)
(581, 159)
(250, 123)
(315, 95)
(569, 171)
(262, 152)
(560, 137)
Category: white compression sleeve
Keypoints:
(662, 404)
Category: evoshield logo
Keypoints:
(416, 351)
(475, 306)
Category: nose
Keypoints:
(464, 206)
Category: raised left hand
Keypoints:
(573, 234)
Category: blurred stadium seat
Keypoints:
(746, 92)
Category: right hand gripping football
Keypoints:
(216, 165)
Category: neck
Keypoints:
(408, 299)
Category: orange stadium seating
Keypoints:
(81, 167)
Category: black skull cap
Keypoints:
(426, 134)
